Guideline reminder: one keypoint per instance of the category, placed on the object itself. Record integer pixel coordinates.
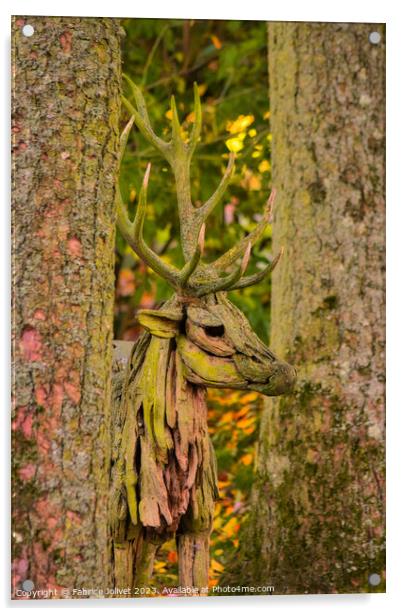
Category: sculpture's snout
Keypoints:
(282, 380)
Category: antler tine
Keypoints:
(142, 119)
(124, 138)
(204, 211)
(191, 265)
(248, 281)
(227, 282)
(233, 253)
(133, 234)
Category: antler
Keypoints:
(133, 234)
(178, 153)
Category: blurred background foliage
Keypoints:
(228, 60)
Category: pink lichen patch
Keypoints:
(52, 522)
(57, 398)
(57, 536)
(26, 426)
(27, 472)
(51, 519)
(41, 559)
(42, 507)
(53, 423)
(73, 392)
(65, 41)
(74, 247)
(41, 394)
(65, 155)
(20, 413)
(43, 443)
(40, 314)
(74, 517)
(20, 566)
(31, 344)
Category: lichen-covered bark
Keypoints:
(317, 518)
(66, 105)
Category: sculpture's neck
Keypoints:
(174, 411)
(167, 443)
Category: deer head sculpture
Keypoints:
(165, 479)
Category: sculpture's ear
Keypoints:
(163, 323)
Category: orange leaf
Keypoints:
(216, 42)
(247, 459)
(249, 398)
(246, 422)
(172, 557)
(125, 283)
(215, 566)
(223, 484)
(226, 417)
(242, 411)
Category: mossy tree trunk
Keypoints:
(317, 516)
(66, 106)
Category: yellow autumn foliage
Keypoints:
(240, 124)
(251, 397)
(216, 566)
(264, 165)
(231, 527)
(235, 144)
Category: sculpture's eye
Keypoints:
(214, 331)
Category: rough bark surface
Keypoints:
(66, 106)
(317, 518)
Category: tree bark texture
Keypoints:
(65, 106)
(317, 516)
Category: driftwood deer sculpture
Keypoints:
(164, 470)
